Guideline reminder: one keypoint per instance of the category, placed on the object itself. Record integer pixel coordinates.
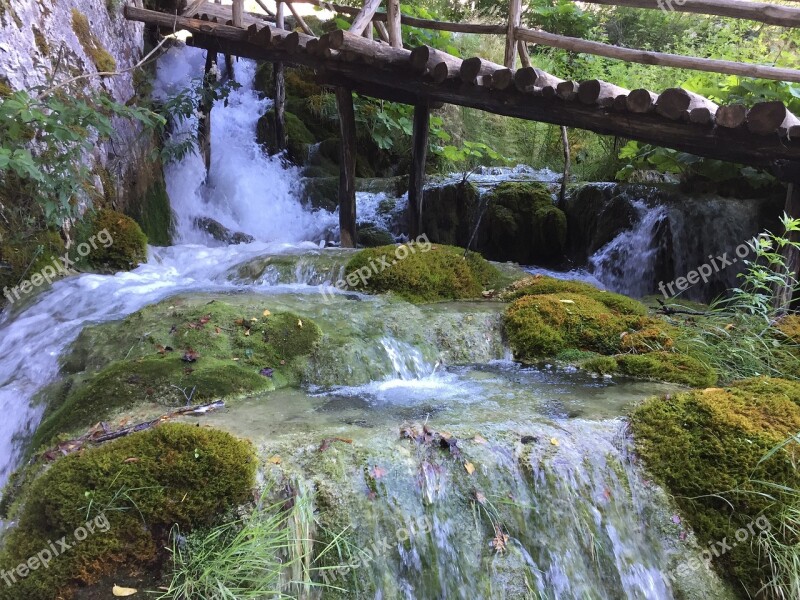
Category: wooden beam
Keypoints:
(382, 32)
(347, 168)
(647, 57)
(204, 131)
(416, 178)
(393, 21)
(380, 54)
(237, 12)
(514, 16)
(299, 19)
(522, 48)
(279, 75)
(364, 16)
(192, 8)
(265, 8)
(772, 14)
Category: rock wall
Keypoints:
(43, 42)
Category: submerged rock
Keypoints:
(221, 233)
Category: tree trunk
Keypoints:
(416, 179)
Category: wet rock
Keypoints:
(221, 233)
(371, 235)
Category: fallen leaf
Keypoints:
(204, 320)
(161, 349)
(190, 356)
(132, 459)
(481, 499)
(283, 362)
(469, 467)
(275, 460)
(266, 372)
(247, 332)
(253, 319)
(479, 439)
(299, 323)
(567, 301)
(217, 330)
(267, 313)
(377, 472)
(173, 329)
(122, 591)
(239, 322)
(554, 441)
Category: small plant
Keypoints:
(469, 157)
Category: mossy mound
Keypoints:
(540, 284)
(523, 224)
(107, 240)
(667, 366)
(298, 137)
(709, 448)
(132, 491)
(372, 236)
(165, 352)
(790, 327)
(421, 272)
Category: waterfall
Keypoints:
(246, 190)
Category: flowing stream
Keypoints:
(507, 482)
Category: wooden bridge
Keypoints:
(765, 135)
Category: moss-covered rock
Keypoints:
(110, 241)
(153, 213)
(372, 236)
(540, 284)
(131, 492)
(667, 366)
(710, 449)
(165, 352)
(523, 224)
(298, 137)
(450, 213)
(421, 272)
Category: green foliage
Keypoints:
(428, 273)
(468, 157)
(721, 453)
(43, 141)
(182, 475)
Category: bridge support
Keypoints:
(280, 89)
(791, 255)
(347, 168)
(416, 179)
(204, 131)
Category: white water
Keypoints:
(246, 191)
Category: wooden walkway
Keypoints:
(766, 135)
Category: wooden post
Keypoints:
(791, 256)
(238, 13)
(514, 17)
(419, 152)
(347, 168)
(393, 22)
(204, 131)
(364, 17)
(280, 90)
(565, 174)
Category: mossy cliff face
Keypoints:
(551, 318)
(709, 448)
(169, 352)
(450, 213)
(131, 492)
(523, 225)
(421, 272)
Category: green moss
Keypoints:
(602, 365)
(540, 284)
(523, 225)
(450, 213)
(134, 490)
(708, 448)
(298, 137)
(119, 243)
(5, 88)
(41, 41)
(153, 213)
(104, 62)
(667, 366)
(372, 236)
(427, 273)
(140, 360)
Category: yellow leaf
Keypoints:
(566, 301)
(299, 323)
(267, 313)
(247, 332)
(554, 441)
(469, 467)
(275, 460)
(479, 439)
(122, 591)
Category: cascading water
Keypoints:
(540, 472)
